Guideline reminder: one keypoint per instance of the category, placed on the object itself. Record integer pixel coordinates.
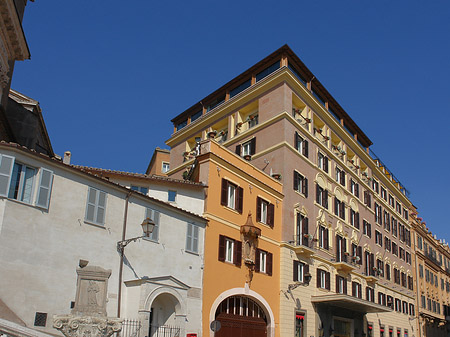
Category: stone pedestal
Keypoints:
(81, 326)
(88, 318)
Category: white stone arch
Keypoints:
(323, 266)
(353, 205)
(339, 193)
(248, 293)
(321, 180)
(367, 248)
(180, 306)
(357, 279)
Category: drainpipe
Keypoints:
(124, 230)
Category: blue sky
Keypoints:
(110, 75)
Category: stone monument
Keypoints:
(88, 317)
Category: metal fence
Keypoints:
(130, 328)
(165, 331)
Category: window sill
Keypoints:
(231, 209)
(192, 253)
(25, 204)
(300, 194)
(94, 224)
(151, 240)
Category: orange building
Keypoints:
(241, 282)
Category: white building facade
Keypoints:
(53, 216)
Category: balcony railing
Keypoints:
(130, 328)
(165, 331)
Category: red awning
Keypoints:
(382, 330)
(298, 316)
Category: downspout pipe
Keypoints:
(124, 230)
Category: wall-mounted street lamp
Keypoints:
(147, 228)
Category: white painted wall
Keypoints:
(40, 249)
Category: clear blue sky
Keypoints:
(110, 75)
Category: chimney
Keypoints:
(67, 156)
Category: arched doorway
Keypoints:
(240, 316)
(163, 317)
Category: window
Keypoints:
(387, 243)
(321, 196)
(299, 322)
(95, 206)
(171, 196)
(367, 199)
(388, 271)
(403, 279)
(300, 270)
(40, 319)
(230, 250)
(354, 188)
(381, 298)
(181, 124)
(300, 184)
(411, 283)
(387, 221)
(370, 294)
(339, 208)
(341, 249)
(378, 238)
(398, 208)
(232, 195)
(367, 228)
(239, 88)
(141, 189)
(154, 216)
(323, 279)
(420, 271)
(396, 276)
(391, 201)
(323, 237)
(18, 181)
(165, 167)
(356, 290)
(380, 268)
(354, 218)
(390, 303)
(405, 213)
(264, 212)
(394, 226)
(301, 144)
(247, 148)
(423, 302)
(378, 214)
(341, 285)
(322, 162)
(408, 258)
(340, 176)
(263, 262)
(267, 71)
(195, 116)
(411, 309)
(192, 238)
(302, 230)
(375, 186)
(383, 193)
(394, 249)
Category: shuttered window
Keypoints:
(263, 262)
(300, 270)
(154, 216)
(323, 279)
(321, 196)
(192, 238)
(301, 144)
(230, 250)
(232, 195)
(96, 206)
(300, 184)
(18, 181)
(265, 212)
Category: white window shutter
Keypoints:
(45, 188)
(195, 239)
(6, 165)
(101, 206)
(189, 237)
(91, 204)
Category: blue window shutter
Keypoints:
(6, 165)
(45, 188)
